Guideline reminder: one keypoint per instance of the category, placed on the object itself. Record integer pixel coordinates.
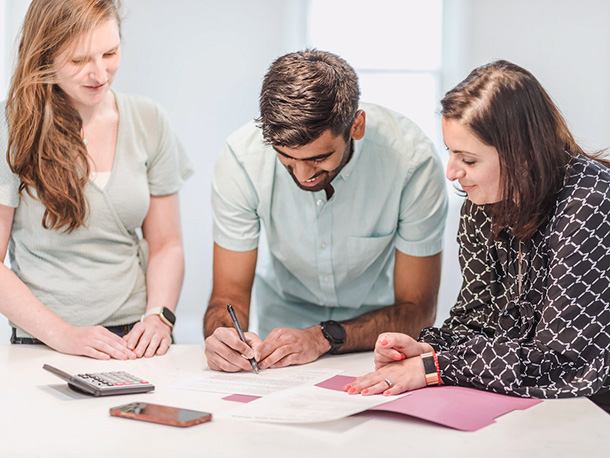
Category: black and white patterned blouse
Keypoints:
(553, 340)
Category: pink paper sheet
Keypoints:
(241, 398)
(460, 408)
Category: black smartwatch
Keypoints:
(166, 315)
(334, 333)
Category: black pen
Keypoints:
(240, 331)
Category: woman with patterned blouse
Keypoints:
(533, 314)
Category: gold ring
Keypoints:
(389, 382)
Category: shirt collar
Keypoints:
(347, 171)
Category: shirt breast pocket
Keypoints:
(364, 252)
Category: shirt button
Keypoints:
(323, 245)
(320, 202)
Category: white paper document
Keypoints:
(266, 382)
(307, 404)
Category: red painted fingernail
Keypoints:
(386, 393)
(351, 390)
(365, 391)
(397, 357)
(383, 342)
(346, 387)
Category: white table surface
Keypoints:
(41, 416)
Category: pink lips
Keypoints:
(96, 88)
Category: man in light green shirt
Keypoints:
(353, 202)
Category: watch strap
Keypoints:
(431, 369)
(334, 332)
(165, 314)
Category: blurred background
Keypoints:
(204, 60)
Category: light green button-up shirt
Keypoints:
(331, 258)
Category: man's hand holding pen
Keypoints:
(242, 336)
(232, 350)
(226, 352)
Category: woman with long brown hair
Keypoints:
(533, 314)
(85, 170)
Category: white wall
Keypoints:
(204, 60)
(564, 43)
(3, 36)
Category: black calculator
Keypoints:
(103, 383)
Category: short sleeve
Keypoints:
(169, 165)
(423, 207)
(234, 204)
(9, 182)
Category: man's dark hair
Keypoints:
(306, 93)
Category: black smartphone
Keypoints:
(165, 415)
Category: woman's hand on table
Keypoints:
(149, 337)
(394, 346)
(391, 379)
(92, 341)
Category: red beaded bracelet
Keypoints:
(438, 370)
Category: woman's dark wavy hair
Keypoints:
(304, 94)
(507, 108)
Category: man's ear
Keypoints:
(357, 131)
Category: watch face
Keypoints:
(168, 315)
(335, 330)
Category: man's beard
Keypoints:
(324, 181)
(327, 176)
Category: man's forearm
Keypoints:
(408, 318)
(217, 316)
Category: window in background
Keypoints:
(395, 47)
